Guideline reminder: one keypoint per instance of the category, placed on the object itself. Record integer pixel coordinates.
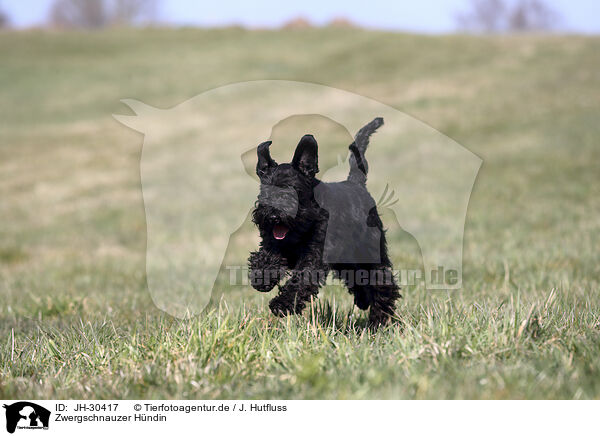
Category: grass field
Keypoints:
(77, 320)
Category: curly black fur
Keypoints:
(293, 227)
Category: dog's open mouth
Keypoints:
(279, 231)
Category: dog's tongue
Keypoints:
(279, 231)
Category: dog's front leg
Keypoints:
(304, 282)
(266, 269)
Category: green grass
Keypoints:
(77, 320)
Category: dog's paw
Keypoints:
(379, 318)
(281, 307)
(265, 270)
(260, 281)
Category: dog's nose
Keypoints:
(272, 217)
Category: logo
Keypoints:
(26, 415)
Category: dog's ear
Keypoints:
(264, 159)
(306, 158)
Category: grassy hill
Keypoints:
(77, 320)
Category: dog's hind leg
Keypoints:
(363, 296)
(383, 306)
(374, 288)
(361, 292)
(384, 294)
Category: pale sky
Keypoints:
(428, 16)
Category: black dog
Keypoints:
(308, 228)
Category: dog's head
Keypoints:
(285, 203)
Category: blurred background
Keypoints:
(432, 16)
(517, 82)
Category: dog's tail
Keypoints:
(358, 163)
